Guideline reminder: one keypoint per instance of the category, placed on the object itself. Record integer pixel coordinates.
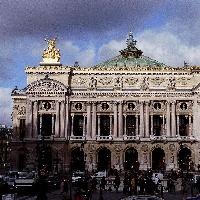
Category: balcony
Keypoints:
(131, 138)
(104, 138)
(185, 138)
(158, 138)
(77, 138)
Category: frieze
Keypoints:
(130, 81)
(105, 81)
(182, 81)
(157, 81)
(79, 81)
(21, 110)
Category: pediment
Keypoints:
(196, 88)
(46, 86)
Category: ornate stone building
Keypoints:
(128, 112)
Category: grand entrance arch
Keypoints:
(158, 159)
(77, 159)
(131, 159)
(184, 158)
(104, 159)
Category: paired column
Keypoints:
(147, 119)
(72, 126)
(173, 119)
(29, 119)
(62, 119)
(84, 125)
(67, 118)
(120, 120)
(94, 120)
(57, 124)
(115, 119)
(190, 125)
(89, 120)
(177, 123)
(142, 119)
(168, 119)
(35, 119)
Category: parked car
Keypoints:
(53, 182)
(77, 175)
(141, 197)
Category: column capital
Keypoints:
(115, 103)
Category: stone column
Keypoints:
(57, 125)
(137, 124)
(67, 119)
(168, 119)
(125, 134)
(53, 127)
(40, 126)
(115, 119)
(120, 121)
(190, 125)
(147, 119)
(111, 127)
(62, 119)
(89, 120)
(151, 124)
(195, 113)
(141, 119)
(99, 123)
(177, 123)
(173, 119)
(94, 121)
(163, 129)
(35, 119)
(84, 125)
(72, 125)
(29, 119)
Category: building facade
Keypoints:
(128, 112)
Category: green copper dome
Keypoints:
(131, 57)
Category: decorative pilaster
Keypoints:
(67, 119)
(173, 119)
(163, 125)
(120, 120)
(99, 123)
(168, 119)
(84, 125)
(57, 124)
(111, 127)
(72, 125)
(147, 119)
(94, 120)
(178, 124)
(190, 125)
(125, 132)
(151, 124)
(62, 119)
(35, 119)
(137, 125)
(89, 120)
(53, 123)
(115, 119)
(141, 119)
(29, 119)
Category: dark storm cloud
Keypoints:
(25, 17)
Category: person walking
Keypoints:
(117, 182)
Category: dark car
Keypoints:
(53, 182)
(4, 187)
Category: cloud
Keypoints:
(22, 17)
(168, 48)
(5, 106)
(72, 53)
(163, 46)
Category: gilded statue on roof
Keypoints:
(51, 54)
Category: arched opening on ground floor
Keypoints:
(131, 159)
(158, 159)
(104, 159)
(77, 160)
(184, 158)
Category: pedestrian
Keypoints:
(103, 183)
(117, 182)
(133, 185)
(65, 189)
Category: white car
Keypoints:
(76, 176)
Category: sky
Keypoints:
(91, 31)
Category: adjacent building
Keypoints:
(129, 112)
